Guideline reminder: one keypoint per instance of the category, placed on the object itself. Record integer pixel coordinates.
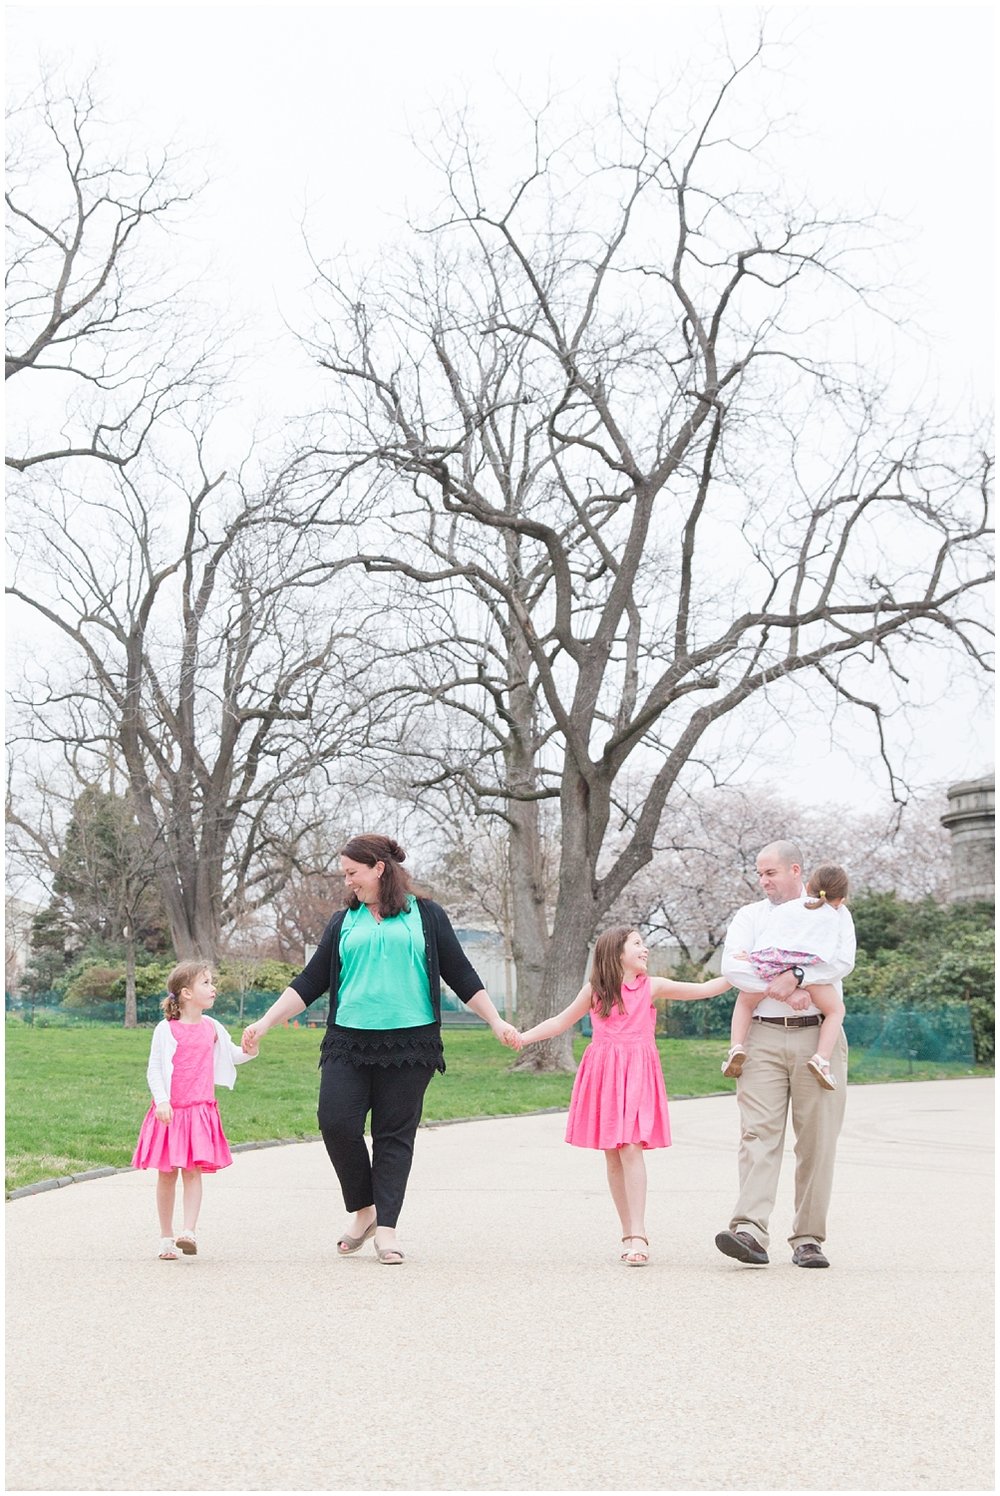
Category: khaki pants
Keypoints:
(775, 1074)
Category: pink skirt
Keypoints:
(193, 1140)
(619, 1097)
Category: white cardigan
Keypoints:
(160, 1071)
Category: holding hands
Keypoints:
(786, 989)
(251, 1039)
(507, 1034)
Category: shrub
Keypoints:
(92, 984)
(233, 977)
(924, 955)
(150, 981)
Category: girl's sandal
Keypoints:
(168, 1252)
(821, 1069)
(636, 1257)
(187, 1243)
(733, 1064)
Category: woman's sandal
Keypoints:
(168, 1252)
(187, 1243)
(348, 1244)
(391, 1256)
(636, 1257)
(733, 1064)
(821, 1069)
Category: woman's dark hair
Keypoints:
(606, 970)
(395, 884)
(829, 881)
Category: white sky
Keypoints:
(298, 106)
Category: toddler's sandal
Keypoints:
(168, 1251)
(821, 1069)
(733, 1064)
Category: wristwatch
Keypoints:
(797, 973)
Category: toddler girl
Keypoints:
(189, 1056)
(619, 1101)
(800, 935)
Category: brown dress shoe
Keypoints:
(742, 1246)
(809, 1255)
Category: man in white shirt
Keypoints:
(781, 1041)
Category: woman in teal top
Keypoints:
(382, 960)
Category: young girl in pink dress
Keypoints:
(619, 1101)
(181, 1133)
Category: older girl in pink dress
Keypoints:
(619, 1101)
(181, 1133)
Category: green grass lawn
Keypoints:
(76, 1096)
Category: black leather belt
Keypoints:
(809, 1021)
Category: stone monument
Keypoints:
(971, 820)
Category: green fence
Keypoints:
(885, 1041)
(46, 1011)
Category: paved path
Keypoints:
(512, 1351)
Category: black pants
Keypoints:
(394, 1094)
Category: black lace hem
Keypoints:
(385, 1047)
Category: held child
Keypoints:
(799, 935)
(619, 1101)
(181, 1133)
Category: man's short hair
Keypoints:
(787, 851)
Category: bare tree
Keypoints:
(603, 409)
(196, 656)
(301, 908)
(96, 332)
(702, 867)
(473, 870)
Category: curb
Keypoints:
(56, 1184)
(43, 1185)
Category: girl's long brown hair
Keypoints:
(606, 970)
(829, 881)
(395, 885)
(183, 975)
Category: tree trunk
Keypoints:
(563, 975)
(576, 914)
(550, 968)
(131, 1008)
(529, 936)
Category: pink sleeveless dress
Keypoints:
(194, 1138)
(618, 1095)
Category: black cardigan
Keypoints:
(445, 958)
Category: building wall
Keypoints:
(18, 915)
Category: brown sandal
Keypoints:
(733, 1064)
(348, 1244)
(391, 1256)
